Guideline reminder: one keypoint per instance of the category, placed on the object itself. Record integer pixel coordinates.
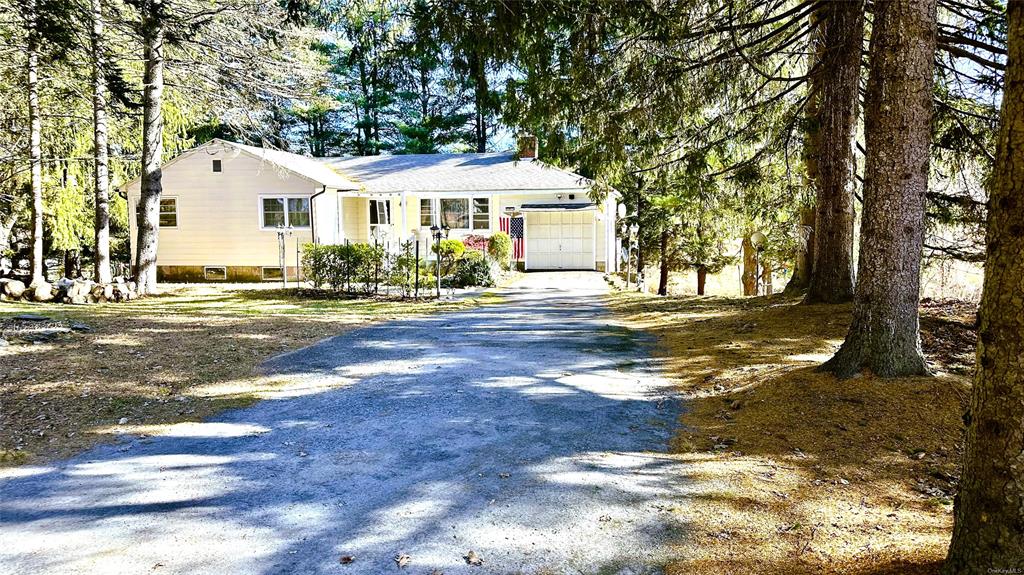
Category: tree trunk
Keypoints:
(152, 147)
(884, 336)
(766, 276)
(835, 84)
(663, 276)
(804, 264)
(35, 152)
(749, 278)
(102, 179)
(72, 264)
(481, 90)
(988, 532)
(702, 278)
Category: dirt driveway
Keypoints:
(530, 432)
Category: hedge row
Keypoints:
(365, 268)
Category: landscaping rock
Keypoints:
(42, 292)
(79, 326)
(12, 287)
(31, 317)
(4, 343)
(44, 335)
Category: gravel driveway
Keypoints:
(530, 432)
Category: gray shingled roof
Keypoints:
(454, 173)
(302, 165)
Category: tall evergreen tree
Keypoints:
(33, 40)
(988, 533)
(834, 97)
(884, 336)
(151, 186)
(102, 162)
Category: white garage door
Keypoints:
(560, 240)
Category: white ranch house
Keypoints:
(223, 204)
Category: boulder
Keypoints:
(42, 292)
(79, 326)
(44, 335)
(79, 300)
(74, 288)
(13, 287)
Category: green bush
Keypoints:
(402, 271)
(345, 267)
(499, 246)
(449, 251)
(452, 249)
(472, 270)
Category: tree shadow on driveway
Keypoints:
(530, 432)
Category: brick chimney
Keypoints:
(527, 147)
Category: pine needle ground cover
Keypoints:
(183, 355)
(795, 471)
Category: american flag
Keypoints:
(514, 228)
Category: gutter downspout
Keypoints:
(312, 213)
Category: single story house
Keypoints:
(224, 204)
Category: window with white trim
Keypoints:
(284, 212)
(168, 212)
(215, 273)
(426, 212)
(271, 273)
(455, 213)
(380, 212)
(481, 213)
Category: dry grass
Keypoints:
(180, 356)
(798, 472)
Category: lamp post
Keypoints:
(438, 233)
(281, 233)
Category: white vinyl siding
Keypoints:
(218, 215)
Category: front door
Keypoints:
(562, 240)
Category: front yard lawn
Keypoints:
(795, 471)
(183, 355)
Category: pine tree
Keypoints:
(884, 336)
(834, 98)
(102, 167)
(152, 32)
(988, 533)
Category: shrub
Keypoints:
(499, 246)
(472, 270)
(340, 266)
(449, 251)
(475, 242)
